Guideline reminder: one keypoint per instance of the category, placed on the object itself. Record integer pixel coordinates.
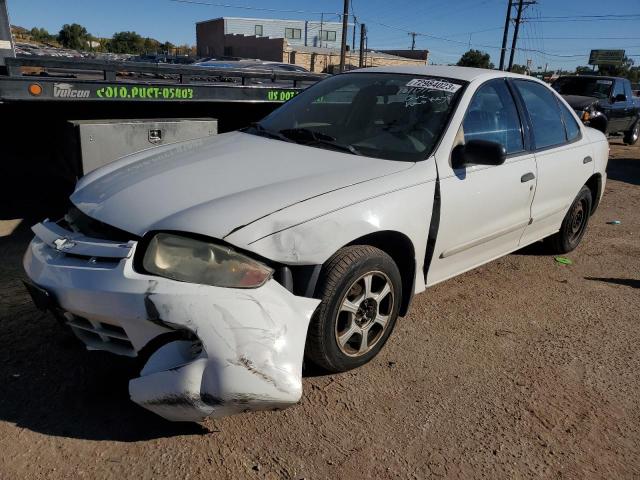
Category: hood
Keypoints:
(579, 102)
(216, 185)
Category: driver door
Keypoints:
(484, 209)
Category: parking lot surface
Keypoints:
(523, 368)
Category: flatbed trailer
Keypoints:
(39, 95)
(42, 79)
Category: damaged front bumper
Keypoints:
(211, 351)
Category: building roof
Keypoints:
(271, 20)
(336, 51)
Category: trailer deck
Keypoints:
(41, 79)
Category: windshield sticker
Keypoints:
(434, 85)
(604, 82)
(413, 100)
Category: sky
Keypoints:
(556, 33)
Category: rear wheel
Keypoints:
(574, 224)
(631, 137)
(361, 290)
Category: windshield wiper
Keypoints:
(307, 136)
(269, 133)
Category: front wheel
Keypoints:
(574, 224)
(360, 291)
(631, 137)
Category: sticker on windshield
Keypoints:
(604, 82)
(434, 85)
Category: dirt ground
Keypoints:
(523, 368)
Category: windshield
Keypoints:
(584, 86)
(381, 115)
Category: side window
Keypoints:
(627, 90)
(544, 111)
(293, 33)
(328, 36)
(573, 130)
(492, 115)
(618, 89)
(258, 30)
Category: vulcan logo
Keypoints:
(66, 90)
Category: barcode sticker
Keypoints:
(434, 85)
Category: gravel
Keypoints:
(522, 368)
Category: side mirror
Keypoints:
(478, 152)
(621, 97)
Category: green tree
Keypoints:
(581, 70)
(151, 45)
(475, 58)
(40, 34)
(521, 69)
(621, 70)
(167, 47)
(73, 36)
(126, 42)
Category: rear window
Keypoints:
(544, 112)
(584, 86)
(572, 127)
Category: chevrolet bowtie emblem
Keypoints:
(63, 244)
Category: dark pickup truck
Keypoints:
(604, 103)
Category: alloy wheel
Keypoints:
(364, 314)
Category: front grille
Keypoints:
(80, 222)
(101, 336)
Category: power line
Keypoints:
(459, 42)
(594, 16)
(248, 7)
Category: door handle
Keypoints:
(527, 177)
(587, 159)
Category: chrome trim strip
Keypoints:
(77, 244)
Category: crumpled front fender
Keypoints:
(250, 358)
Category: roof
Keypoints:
(587, 75)
(461, 73)
(336, 51)
(272, 20)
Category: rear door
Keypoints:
(563, 158)
(484, 209)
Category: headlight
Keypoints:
(197, 261)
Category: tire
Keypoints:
(349, 312)
(574, 224)
(631, 136)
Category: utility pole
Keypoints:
(363, 32)
(505, 35)
(521, 5)
(321, 23)
(515, 34)
(413, 40)
(353, 40)
(345, 24)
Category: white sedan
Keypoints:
(224, 263)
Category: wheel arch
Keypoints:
(600, 122)
(401, 249)
(594, 184)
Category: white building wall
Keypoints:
(309, 31)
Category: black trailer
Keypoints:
(39, 95)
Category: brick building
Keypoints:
(312, 45)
